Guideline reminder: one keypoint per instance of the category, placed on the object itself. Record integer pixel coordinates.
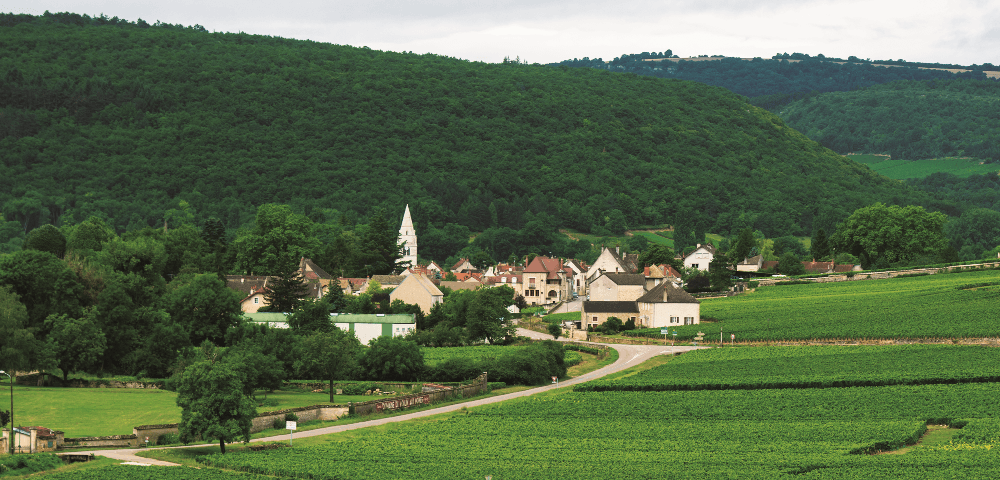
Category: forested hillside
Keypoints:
(908, 120)
(125, 120)
(778, 80)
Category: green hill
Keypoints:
(907, 120)
(126, 120)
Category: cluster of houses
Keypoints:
(613, 286)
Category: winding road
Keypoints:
(628, 356)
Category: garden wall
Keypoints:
(130, 441)
(478, 386)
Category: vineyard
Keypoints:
(764, 433)
(813, 367)
(950, 306)
(477, 353)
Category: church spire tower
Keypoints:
(408, 237)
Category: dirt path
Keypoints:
(628, 356)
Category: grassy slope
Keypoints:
(903, 169)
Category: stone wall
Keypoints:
(866, 275)
(478, 386)
(153, 432)
(110, 441)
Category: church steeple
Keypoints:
(408, 237)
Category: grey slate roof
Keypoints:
(667, 292)
(610, 307)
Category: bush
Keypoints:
(277, 424)
(456, 369)
(392, 358)
(555, 330)
(168, 439)
(358, 388)
(612, 326)
(753, 284)
(291, 417)
(629, 325)
(533, 365)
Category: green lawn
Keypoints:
(87, 412)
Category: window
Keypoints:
(694, 265)
(688, 320)
(675, 319)
(256, 300)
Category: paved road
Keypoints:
(628, 356)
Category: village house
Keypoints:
(254, 287)
(657, 274)
(701, 257)
(668, 305)
(546, 281)
(594, 313)
(617, 287)
(463, 266)
(610, 261)
(418, 290)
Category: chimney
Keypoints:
(618, 250)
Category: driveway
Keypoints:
(628, 356)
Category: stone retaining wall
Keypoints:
(130, 441)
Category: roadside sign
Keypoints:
(290, 425)
(664, 331)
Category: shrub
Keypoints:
(753, 284)
(612, 326)
(168, 439)
(533, 365)
(392, 358)
(555, 330)
(291, 417)
(277, 424)
(629, 325)
(455, 369)
(358, 388)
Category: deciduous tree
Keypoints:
(213, 403)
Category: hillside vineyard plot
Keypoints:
(770, 433)
(960, 305)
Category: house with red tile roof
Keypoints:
(545, 281)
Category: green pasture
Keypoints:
(952, 306)
(904, 169)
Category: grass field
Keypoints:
(951, 306)
(94, 412)
(904, 169)
(86, 412)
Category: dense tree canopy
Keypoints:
(891, 234)
(97, 124)
(908, 120)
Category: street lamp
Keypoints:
(10, 438)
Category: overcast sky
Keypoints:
(543, 31)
